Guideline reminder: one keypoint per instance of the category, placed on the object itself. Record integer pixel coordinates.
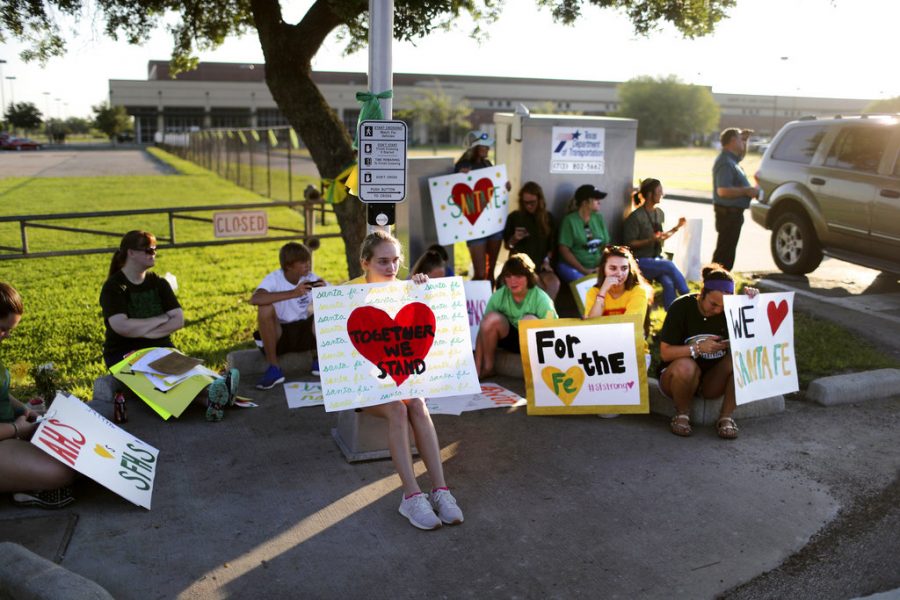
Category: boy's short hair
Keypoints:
(10, 301)
(293, 252)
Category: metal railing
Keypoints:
(173, 214)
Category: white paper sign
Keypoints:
(761, 331)
(303, 394)
(468, 206)
(687, 251)
(477, 295)
(578, 150)
(491, 396)
(390, 341)
(80, 437)
(580, 289)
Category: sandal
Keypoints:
(681, 425)
(727, 428)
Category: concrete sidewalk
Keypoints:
(263, 505)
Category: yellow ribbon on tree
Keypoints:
(336, 190)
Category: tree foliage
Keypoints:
(668, 111)
(290, 47)
(111, 120)
(24, 115)
(887, 105)
(437, 111)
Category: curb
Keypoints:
(27, 576)
(854, 387)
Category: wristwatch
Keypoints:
(693, 351)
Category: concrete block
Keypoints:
(508, 364)
(361, 436)
(105, 388)
(27, 576)
(854, 387)
(250, 362)
(706, 411)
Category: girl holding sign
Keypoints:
(620, 289)
(694, 349)
(24, 466)
(140, 311)
(380, 257)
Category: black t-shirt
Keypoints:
(684, 325)
(151, 298)
(535, 245)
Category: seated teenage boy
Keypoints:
(284, 308)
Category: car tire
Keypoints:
(795, 247)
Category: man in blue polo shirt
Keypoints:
(732, 193)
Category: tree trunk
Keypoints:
(288, 51)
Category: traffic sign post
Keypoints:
(382, 161)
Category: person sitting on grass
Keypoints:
(284, 305)
(380, 257)
(140, 311)
(30, 474)
(518, 297)
(620, 289)
(695, 353)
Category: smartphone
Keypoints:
(318, 283)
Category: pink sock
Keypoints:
(445, 488)
(411, 495)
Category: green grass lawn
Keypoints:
(684, 168)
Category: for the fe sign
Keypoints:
(382, 161)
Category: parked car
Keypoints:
(15, 143)
(832, 187)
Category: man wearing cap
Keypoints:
(582, 236)
(732, 193)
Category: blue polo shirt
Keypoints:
(728, 173)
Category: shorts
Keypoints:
(511, 342)
(296, 336)
(491, 238)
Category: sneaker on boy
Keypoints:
(314, 371)
(272, 377)
(418, 510)
(46, 498)
(284, 309)
(445, 506)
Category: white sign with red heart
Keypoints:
(468, 206)
(761, 331)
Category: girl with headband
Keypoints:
(694, 348)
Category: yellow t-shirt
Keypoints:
(632, 302)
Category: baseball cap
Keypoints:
(588, 191)
(478, 138)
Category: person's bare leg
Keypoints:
(398, 442)
(493, 251)
(494, 327)
(426, 440)
(24, 467)
(550, 284)
(680, 381)
(478, 253)
(269, 331)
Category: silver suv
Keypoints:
(832, 187)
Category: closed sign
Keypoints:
(240, 223)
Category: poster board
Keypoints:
(83, 439)
(580, 289)
(593, 366)
(383, 342)
(492, 396)
(761, 333)
(469, 206)
(303, 394)
(477, 295)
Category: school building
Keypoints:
(232, 95)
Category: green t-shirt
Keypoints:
(7, 414)
(586, 241)
(536, 302)
(684, 325)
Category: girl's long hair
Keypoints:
(133, 240)
(635, 277)
(648, 187)
(541, 214)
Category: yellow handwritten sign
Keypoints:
(584, 367)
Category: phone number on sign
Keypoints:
(558, 166)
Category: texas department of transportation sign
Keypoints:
(382, 161)
(578, 150)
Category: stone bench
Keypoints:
(253, 362)
(27, 576)
(706, 411)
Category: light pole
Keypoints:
(12, 90)
(2, 92)
(47, 116)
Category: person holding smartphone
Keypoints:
(30, 474)
(531, 230)
(694, 348)
(284, 312)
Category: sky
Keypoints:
(827, 48)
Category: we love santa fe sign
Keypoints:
(468, 206)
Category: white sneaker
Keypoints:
(445, 505)
(419, 512)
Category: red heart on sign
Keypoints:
(398, 346)
(776, 314)
(474, 202)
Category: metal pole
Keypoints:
(268, 167)
(290, 174)
(381, 66)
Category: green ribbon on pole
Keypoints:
(273, 141)
(370, 110)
